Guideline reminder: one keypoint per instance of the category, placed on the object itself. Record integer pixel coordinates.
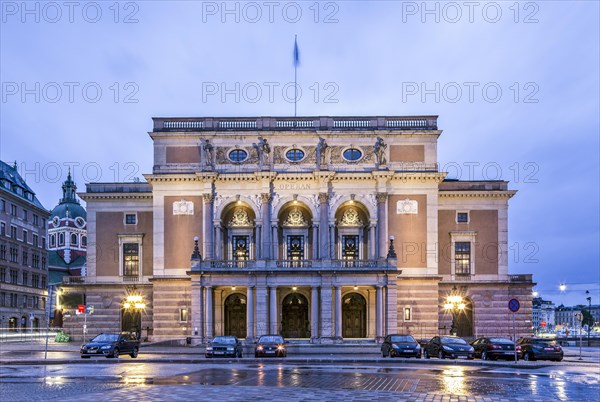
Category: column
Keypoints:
(258, 249)
(218, 242)
(323, 225)
(273, 310)
(250, 313)
(261, 311)
(314, 312)
(325, 307)
(379, 312)
(208, 226)
(315, 241)
(391, 311)
(338, 311)
(372, 237)
(381, 224)
(332, 241)
(275, 241)
(209, 312)
(197, 315)
(265, 209)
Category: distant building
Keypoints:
(543, 315)
(67, 242)
(23, 255)
(567, 316)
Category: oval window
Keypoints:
(294, 155)
(352, 154)
(238, 155)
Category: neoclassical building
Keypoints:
(317, 228)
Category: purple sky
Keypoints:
(516, 86)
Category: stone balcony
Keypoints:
(354, 266)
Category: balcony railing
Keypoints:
(304, 265)
(337, 123)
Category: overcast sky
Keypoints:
(516, 86)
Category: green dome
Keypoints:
(75, 210)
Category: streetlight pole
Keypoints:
(589, 299)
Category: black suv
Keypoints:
(111, 345)
(539, 349)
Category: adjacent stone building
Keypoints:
(318, 228)
(23, 255)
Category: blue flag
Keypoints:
(296, 52)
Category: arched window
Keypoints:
(74, 241)
(61, 239)
(84, 241)
(52, 241)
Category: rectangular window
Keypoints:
(35, 280)
(25, 278)
(3, 299)
(130, 219)
(14, 276)
(35, 240)
(462, 258)
(43, 262)
(2, 228)
(3, 252)
(407, 313)
(14, 255)
(25, 235)
(25, 258)
(2, 274)
(131, 259)
(13, 232)
(3, 206)
(13, 209)
(36, 221)
(183, 314)
(25, 215)
(462, 217)
(44, 243)
(35, 260)
(43, 282)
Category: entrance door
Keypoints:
(235, 315)
(465, 320)
(354, 316)
(12, 324)
(241, 247)
(294, 315)
(131, 321)
(295, 248)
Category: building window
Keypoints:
(14, 254)
(35, 260)
(14, 276)
(25, 278)
(44, 243)
(35, 240)
(130, 219)
(462, 217)
(35, 280)
(352, 154)
(462, 258)
(84, 241)
(3, 252)
(407, 313)
(43, 262)
(36, 221)
(74, 241)
(2, 228)
(2, 274)
(43, 282)
(13, 209)
(238, 155)
(13, 232)
(183, 314)
(2, 299)
(25, 215)
(3, 206)
(25, 258)
(61, 239)
(52, 240)
(294, 155)
(25, 235)
(131, 259)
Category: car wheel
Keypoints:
(441, 355)
(484, 355)
(116, 353)
(134, 353)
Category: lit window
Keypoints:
(294, 155)
(462, 258)
(352, 154)
(238, 155)
(183, 314)
(131, 259)
(407, 313)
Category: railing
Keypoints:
(463, 277)
(296, 123)
(358, 263)
(294, 263)
(521, 278)
(311, 265)
(220, 264)
(75, 280)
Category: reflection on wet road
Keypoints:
(144, 379)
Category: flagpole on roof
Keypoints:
(296, 62)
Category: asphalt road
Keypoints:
(274, 380)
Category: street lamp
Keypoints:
(455, 305)
(589, 299)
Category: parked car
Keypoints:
(494, 348)
(270, 345)
(224, 346)
(111, 345)
(400, 345)
(448, 346)
(539, 349)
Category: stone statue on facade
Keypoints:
(321, 151)
(263, 149)
(209, 153)
(379, 151)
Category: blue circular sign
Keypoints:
(514, 305)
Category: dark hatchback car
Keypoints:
(224, 346)
(270, 345)
(539, 349)
(448, 346)
(494, 348)
(400, 346)
(111, 345)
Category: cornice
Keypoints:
(115, 196)
(423, 176)
(478, 194)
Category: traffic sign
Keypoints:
(81, 308)
(90, 309)
(514, 305)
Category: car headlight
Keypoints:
(448, 348)
(229, 349)
(471, 349)
(259, 347)
(418, 347)
(394, 346)
(279, 347)
(209, 348)
(106, 347)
